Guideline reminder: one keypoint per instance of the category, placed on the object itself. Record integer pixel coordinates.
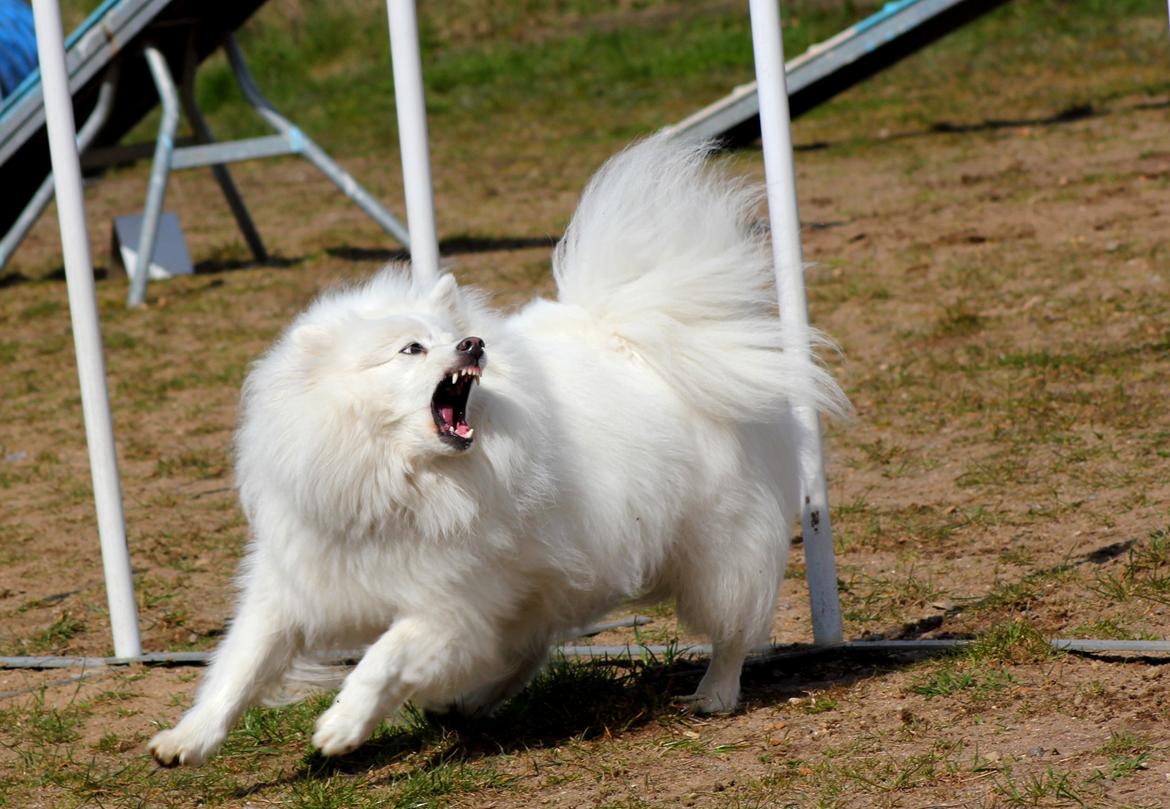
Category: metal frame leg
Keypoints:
(164, 148)
(44, 194)
(220, 171)
(310, 150)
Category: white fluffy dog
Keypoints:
(628, 440)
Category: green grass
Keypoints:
(1144, 575)
(1128, 753)
(872, 599)
(947, 683)
(50, 640)
(1036, 790)
(977, 671)
(330, 68)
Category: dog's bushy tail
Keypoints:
(664, 253)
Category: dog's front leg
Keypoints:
(257, 650)
(414, 653)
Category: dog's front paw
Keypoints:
(176, 746)
(340, 731)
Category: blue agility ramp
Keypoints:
(899, 29)
(18, 44)
(122, 62)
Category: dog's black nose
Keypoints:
(472, 346)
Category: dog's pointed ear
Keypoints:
(445, 294)
(448, 299)
(311, 338)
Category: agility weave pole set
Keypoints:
(788, 260)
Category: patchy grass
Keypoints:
(948, 683)
(1145, 574)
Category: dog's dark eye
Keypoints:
(413, 348)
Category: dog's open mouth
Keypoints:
(449, 405)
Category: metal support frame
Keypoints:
(156, 191)
(290, 140)
(300, 144)
(203, 134)
(171, 153)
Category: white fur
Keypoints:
(630, 442)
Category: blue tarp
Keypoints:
(18, 44)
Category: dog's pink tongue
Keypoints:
(448, 414)
(462, 430)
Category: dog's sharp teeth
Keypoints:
(454, 377)
(470, 432)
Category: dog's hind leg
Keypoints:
(257, 651)
(416, 653)
(718, 691)
(726, 589)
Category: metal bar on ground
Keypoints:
(605, 626)
(784, 217)
(635, 650)
(412, 137)
(1094, 646)
(156, 192)
(87, 338)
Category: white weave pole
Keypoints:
(87, 338)
(412, 138)
(784, 217)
